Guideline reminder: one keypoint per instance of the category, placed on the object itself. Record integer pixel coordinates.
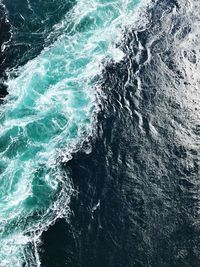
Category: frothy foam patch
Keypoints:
(48, 111)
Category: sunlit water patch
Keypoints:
(49, 110)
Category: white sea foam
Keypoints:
(50, 108)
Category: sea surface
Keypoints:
(100, 133)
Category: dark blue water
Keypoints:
(137, 176)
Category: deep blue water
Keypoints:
(99, 136)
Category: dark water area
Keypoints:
(30, 27)
(4, 37)
(25, 28)
(138, 179)
(138, 200)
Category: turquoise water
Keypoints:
(50, 109)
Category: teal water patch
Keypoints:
(49, 110)
(32, 22)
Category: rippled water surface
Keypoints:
(99, 135)
(49, 110)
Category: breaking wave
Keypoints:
(50, 108)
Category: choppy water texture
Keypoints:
(49, 110)
(120, 126)
(139, 201)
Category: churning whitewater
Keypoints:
(49, 110)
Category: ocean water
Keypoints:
(99, 133)
(139, 200)
(50, 109)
